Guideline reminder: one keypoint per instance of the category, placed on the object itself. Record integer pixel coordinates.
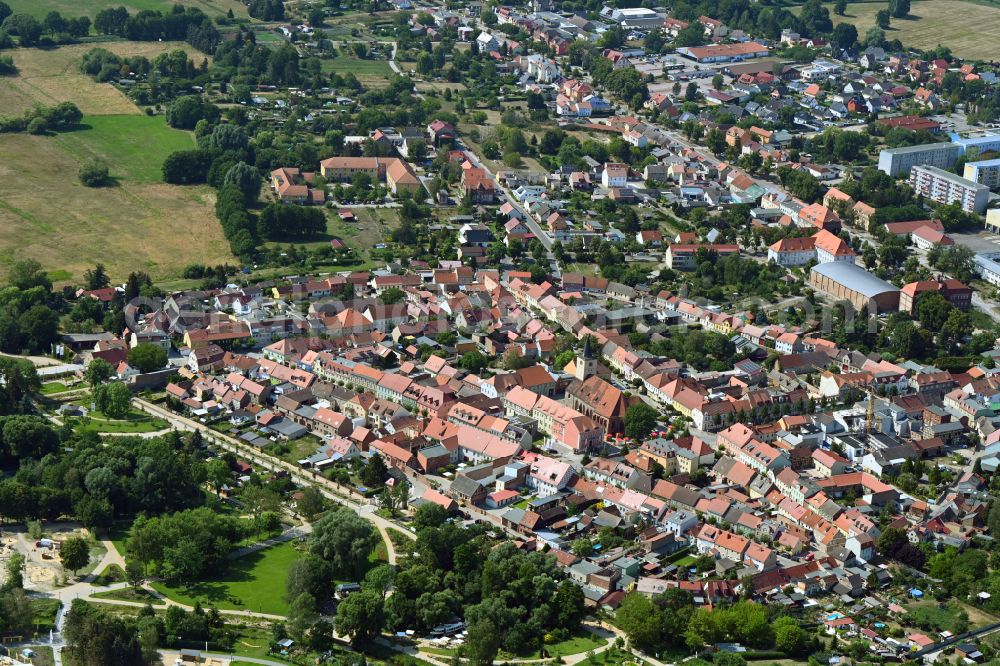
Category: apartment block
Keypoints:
(944, 187)
(984, 172)
(899, 161)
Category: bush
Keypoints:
(94, 174)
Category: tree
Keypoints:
(147, 357)
(840, 7)
(185, 112)
(311, 503)
(114, 400)
(246, 178)
(482, 643)
(789, 637)
(882, 19)
(187, 167)
(375, 472)
(74, 554)
(844, 35)
(434, 515)
(899, 8)
(218, 474)
(360, 616)
(96, 277)
(28, 273)
(641, 621)
(640, 419)
(392, 295)
(718, 81)
(302, 614)
(343, 539)
(715, 140)
(691, 92)
(94, 173)
(135, 574)
(96, 636)
(473, 362)
(98, 371)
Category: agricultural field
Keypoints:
(53, 76)
(970, 30)
(91, 7)
(138, 224)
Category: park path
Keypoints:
(290, 534)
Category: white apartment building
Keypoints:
(944, 187)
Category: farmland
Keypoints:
(937, 22)
(90, 7)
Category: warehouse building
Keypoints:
(849, 282)
(945, 187)
(899, 161)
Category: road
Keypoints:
(541, 234)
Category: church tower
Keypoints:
(586, 363)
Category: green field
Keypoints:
(970, 30)
(91, 7)
(134, 147)
(255, 583)
(48, 388)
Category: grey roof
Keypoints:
(854, 278)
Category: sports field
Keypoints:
(970, 30)
(53, 76)
(39, 8)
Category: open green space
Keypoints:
(91, 7)
(969, 29)
(255, 583)
(135, 422)
(133, 146)
(130, 594)
(44, 613)
(48, 388)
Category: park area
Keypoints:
(255, 582)
(970, 30)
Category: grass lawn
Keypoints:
(135, 422)
(371, 73)
(582, 642)
(48, 388)
(134, 147)
(129, 594)
(371, 227)
(255, 582)
(970, 30)
(91, 7)
(932, 616)
(118, 535)
(44, 613)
